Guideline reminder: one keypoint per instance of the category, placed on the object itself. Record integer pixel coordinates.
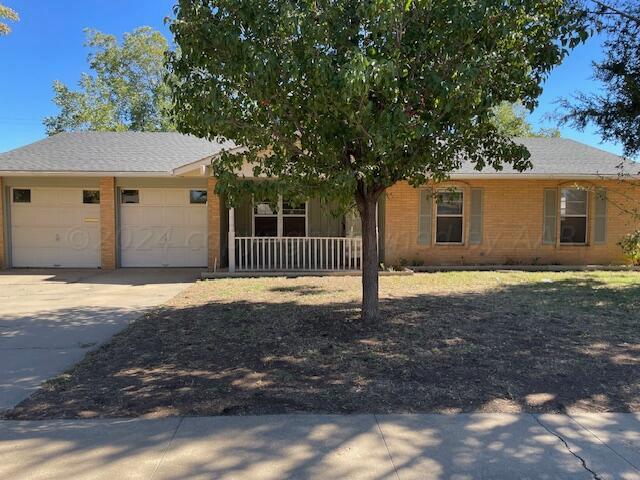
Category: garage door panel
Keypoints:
(164, 229)
(177, 216)
(186, 257)
(129, 216)
(176, 197)
(55, 230)
(196, 216)
(34, 237)
(152, 196)
(139, 238)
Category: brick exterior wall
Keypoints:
(213, 225)
(512, 225)
(3, 259)
(108, 236)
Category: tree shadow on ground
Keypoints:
(326, 447)
(542, 347)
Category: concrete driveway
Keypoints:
(50, 319)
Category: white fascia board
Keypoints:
(206, 161)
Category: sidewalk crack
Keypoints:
(166, 449)
(384, 440)
(605, 443)
(566, 445)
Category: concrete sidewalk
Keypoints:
(487, 446)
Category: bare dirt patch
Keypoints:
(447, 342)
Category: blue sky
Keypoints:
(47, 45)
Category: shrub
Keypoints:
(631, 246)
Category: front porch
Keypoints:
(289, 237)
(294, 253)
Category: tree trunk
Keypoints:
(368, 215)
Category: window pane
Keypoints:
(130, 196)
(198, 196)
(21, 195)
(266, 226)
(573, 202)
(573, 230)
(91, 196)
(291, 208)
(294, 227)
(449, 203)
(264, 208)
(449, 230)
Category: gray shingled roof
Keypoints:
(164, 152)
(561, 156)
(110, 152)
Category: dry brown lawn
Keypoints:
(447, 342)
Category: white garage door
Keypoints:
(55, 227)
(163, 227)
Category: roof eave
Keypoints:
(537, 176)
(68, 173)
(204, 162)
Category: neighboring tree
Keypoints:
(345, 98)
(511, 119)
(7, 14)
(126, 91)
(615, 111)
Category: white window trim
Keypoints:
(460, 215)
(585, 216)
(279, 218)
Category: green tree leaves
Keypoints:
(510, 119)
(125, 91)
(616, 110)
(343, 98)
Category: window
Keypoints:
(130, 196)
(21, 195)
(287, 219)
(91, 196)
(198, 197)
(265, 220)
(573, 215)
(294, 219)
(449, 211)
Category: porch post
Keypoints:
(232, 240)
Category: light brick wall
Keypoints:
(213, 224)
(108, 237)
(3, 260)
(512, 226)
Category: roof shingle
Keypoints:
(162, 152)
(110, 152)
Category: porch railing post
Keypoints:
(232, 240)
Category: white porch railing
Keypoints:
(297, 253)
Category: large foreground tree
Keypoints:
(615, 111)
(344, 98)
(125, 91)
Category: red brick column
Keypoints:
(108, 238)
(3, 260)
(213, 224)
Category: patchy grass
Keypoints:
(448, 342)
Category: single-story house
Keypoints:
(127, 199)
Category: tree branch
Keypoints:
(617, 11)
